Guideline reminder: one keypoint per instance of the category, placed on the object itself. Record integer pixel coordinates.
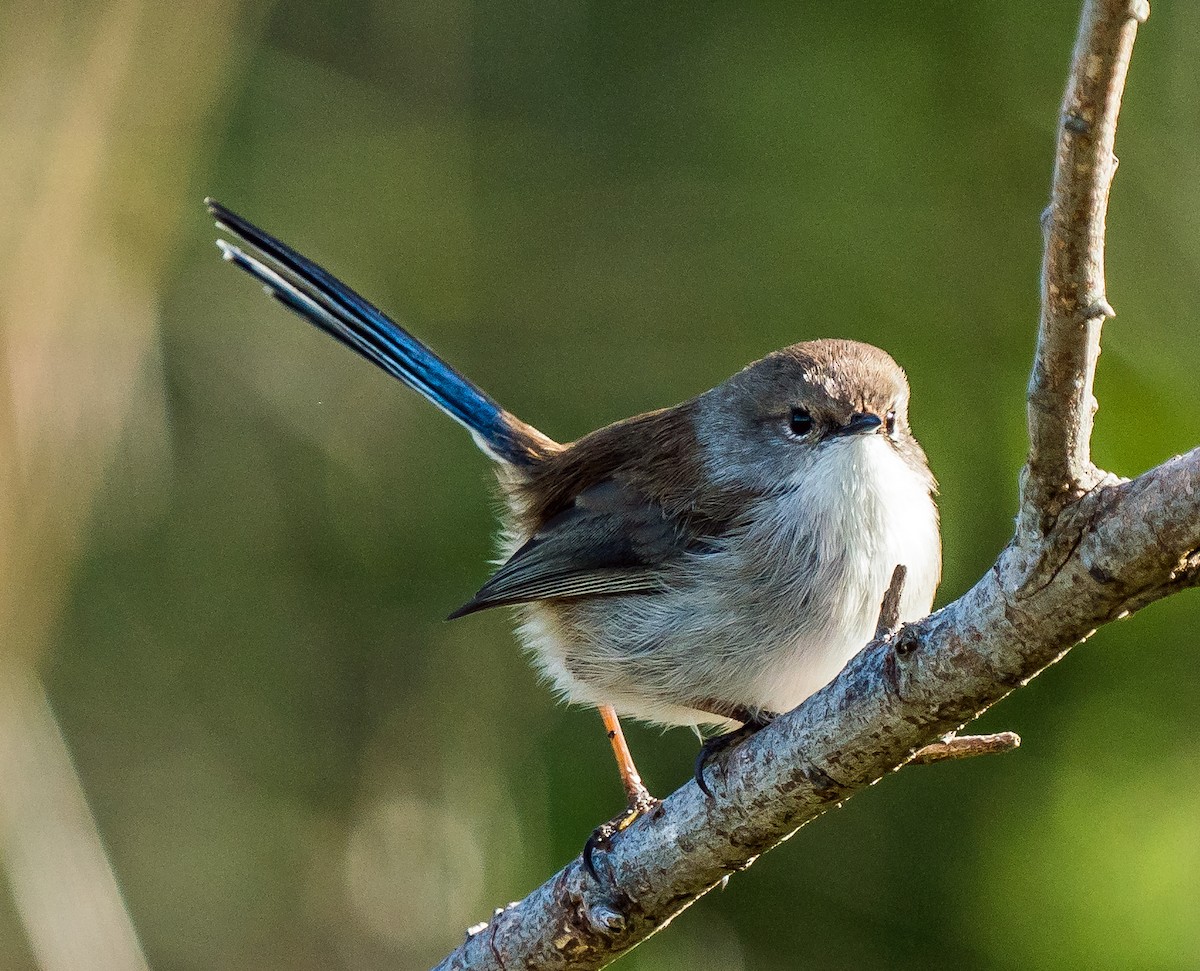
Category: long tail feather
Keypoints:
(322, 299)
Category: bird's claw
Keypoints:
(714, 746)
(601, 839)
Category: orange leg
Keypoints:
(638, 800)
(635, 790)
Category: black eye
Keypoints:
(889, 423)
(800, 422)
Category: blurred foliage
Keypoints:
(592, 209)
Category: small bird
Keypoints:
(709, 564)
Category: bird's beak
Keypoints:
(861, 423)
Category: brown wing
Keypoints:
(612, 539)
(615, 510)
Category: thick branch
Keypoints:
(898, 695)
(1074, 304)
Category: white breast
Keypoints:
(773, 615)
(852, 518)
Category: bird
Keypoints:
(709, 564)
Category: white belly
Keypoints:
(768, 619)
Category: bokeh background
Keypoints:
(235, 731)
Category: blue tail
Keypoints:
(325, 301)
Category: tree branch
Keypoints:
(1074, 304)
(1088, 549)
(897, 695)
(966, 747)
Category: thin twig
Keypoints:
(889, 610)
(1074, 304)
(966, 747)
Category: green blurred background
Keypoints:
(227, 545)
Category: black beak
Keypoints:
(861, 423)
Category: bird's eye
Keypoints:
(800, 422)
(889, 423)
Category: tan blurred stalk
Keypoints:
(101, 106)
(62, 884)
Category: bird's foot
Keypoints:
(640, 804)
(714, 746)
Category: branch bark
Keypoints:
(1074, 304)
(1088, 549)
(966, 747)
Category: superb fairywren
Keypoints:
(711, 563)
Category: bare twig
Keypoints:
(1074, 304)
(889, 610)
(966, 747)
(1088, 549)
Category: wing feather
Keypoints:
(610, 540)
